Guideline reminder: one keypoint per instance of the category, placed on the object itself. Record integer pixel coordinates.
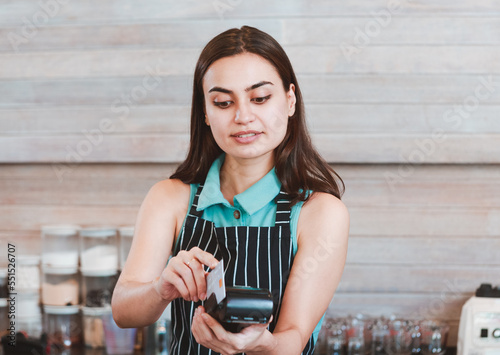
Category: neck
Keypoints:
(237, 174)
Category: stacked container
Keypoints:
(60, 246)
(98, 265)
(63, 326)
(4, 294)
(126, 236)
(27, 287)
(99, 270)
(61, 286)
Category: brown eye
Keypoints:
(261, 100)
(222, 104)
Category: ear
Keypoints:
(291, 100)
(205, 112)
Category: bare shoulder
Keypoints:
(323, 212)
(168, 198)
(171, 189)
(322, 205)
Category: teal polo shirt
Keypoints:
(254, 207)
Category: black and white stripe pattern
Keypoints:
(253, 256)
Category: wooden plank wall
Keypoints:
(402, 98)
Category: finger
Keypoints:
(210, 338)
(203, 257)
(256, 327)
(200, 329)
(185, 273)
(220, 333)
(169, 280)
(185, 257)
(203, 334)
(175, 280)
(199, 277)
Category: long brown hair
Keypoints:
(298, 165)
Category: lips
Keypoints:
(245, 137)
(245, 134)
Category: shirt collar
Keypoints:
(251, 200)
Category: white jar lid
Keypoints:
(61, 230)
(31, 293)
(96, 311)
(74, 309)
(3, 302)
(34, 317)
(28, 259)
(127, 231)
(98, 232)
(59, 270)
(99, 273)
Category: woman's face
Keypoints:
(246, 106)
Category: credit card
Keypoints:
(215, 282)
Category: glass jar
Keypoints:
(60, 246)
(4, 315)
(60, 286)
(358, 335)
(119, 341)
(93, 328)
(63, 326)
(4, 289)
(30, 325)
(434, 337)
(336, 342)
(98, 286)
(28, 273)
(99, 249)
(27, 304)
(399, 338)
(126, 236)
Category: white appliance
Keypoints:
(479, 330)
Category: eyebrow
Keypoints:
(250, 88)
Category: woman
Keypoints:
(253, 192)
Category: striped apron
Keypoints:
(253, 256)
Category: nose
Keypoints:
(244, 114)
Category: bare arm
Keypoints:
(318, 265)
(146, 286)
(322, 232)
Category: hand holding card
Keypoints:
(238, 306)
